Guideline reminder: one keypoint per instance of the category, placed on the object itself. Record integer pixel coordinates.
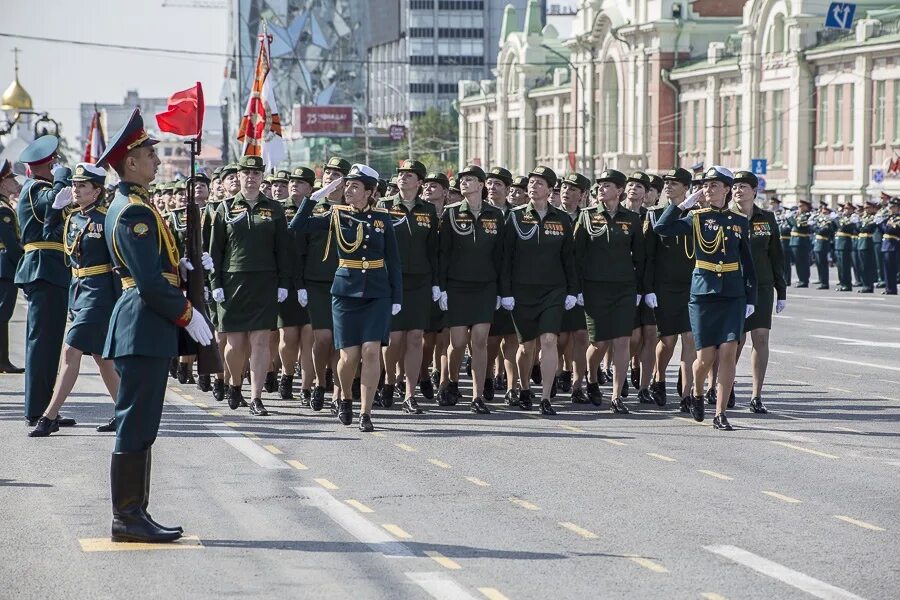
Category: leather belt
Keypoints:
(795, 234)
(785, 237)
(44, 246)
(172, 278)
(717, 267)
(361, 264)
(95, 270)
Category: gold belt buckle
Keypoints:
(718, 268)
(365, 264)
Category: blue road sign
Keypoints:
(762, 184)
(758, 166)
(840, 15)
(878, 175)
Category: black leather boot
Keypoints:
(204, 383)
(146, 503)
(183, 374)
(219, 389)
(5, 365)
(345, 412)
(235, 397)
(271, 383)
(128, 486)
(285, 386)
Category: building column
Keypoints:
(862, 124)
(711, 139)
(799, 128)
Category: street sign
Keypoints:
(761, 186)
(840, 15)
(397, 132)
(758, 166)
(878, 175)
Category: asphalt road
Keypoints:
(800, 503)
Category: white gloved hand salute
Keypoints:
(199, 329)
(63, 198)
(326, 191)
(691, 200)
(650, 300)
(303, 298)
(570, 303)
(218, 295)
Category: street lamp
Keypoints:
(584, 111)
(397, 91)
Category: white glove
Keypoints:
(207, 262)
(435, 293)
(637, 301)
(779, 305)
(571, 301)
(282, 295)
(879, 219)
(63, 198)
(303, 298)
(497, 306)
(442, 302)
(855, 219)
(326, 191)
(580, 300)
(691, 201)
(835, 216)
(650, 300)
(184, 265)
(219, 295)
(395, 308)
(199, 329)
(508, 302)
(750, 310)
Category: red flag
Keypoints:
(184, 115)
(96, 144)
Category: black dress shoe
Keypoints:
(731, 398)
(803, 285)
(411, 406)
(889, 293)
(44, 427)
(500, 383)
(594, 394)
(547, 408)
(204, 383)
(618, 406)
(512, 398)
(318, 398)
(624, 393)
(329, 380)
(435, 378)
(218, 390)
(685, 405)
(525, 399)
(698, 411)
(711, 397)
(107, 427)
(271, 383)
(479, 407)
(387, 395)
(285, 385)
(844, 288)
(824, 286)
(658, 391)
(757, 406)
(65, 421)
(645, 397)
(578, 396)
(565, 382)
(257, 408)
(345, 412)
(10, 368)
(865, 290)
(31, 421)
(235, 397)
(453, 390)
(182, 375)
(488, 389)
(879, 284)
(602, 378)
(536, 375)
(721, 422)
(333, 408)
(305, 398)
(636, 376)
(365, 423)
(426, 388)
(173, 368)
(445, 397)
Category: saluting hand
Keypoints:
(63, 198)
(691, 201)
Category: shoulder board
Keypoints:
(381, 209)
(102, 210)
(702, 210)
(659, 207)
(341, 207)
(40, 182)
(454, 205)
(177, 210)
(135, 199)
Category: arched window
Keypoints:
(776, 35)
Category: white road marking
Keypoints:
(855, 342)
(353, 523)
(249, 448)
(854, 325)
(793, 578)
(440, 586)
(777, 351)
(804, 368)
(858, 363)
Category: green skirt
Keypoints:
(609, 309)
(415, 311)
(251, 301)
(437, 319)
(290, 313)
(88, 330)
(644, 315)
(716, 319)
(672, 316)
(361, 320)
(503, 323)
(539, 309)
(470, 303)
(319, 305)
(762, 314)
(574, 320)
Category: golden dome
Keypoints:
(15, 97)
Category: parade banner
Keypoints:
(260, 129)
(96, 144)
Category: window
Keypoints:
(778, 127)
(695, 126)
(460, 60)
(421, 4)
(512, 136)
(822, 115)
(738, 124)
(461, 5)
(851, 137)
(421, 32)
(448, 88)
(726, 121)
(421, 88)
(776, 34)
(421, 60)
(878, 128)
(838, 117)
(460, 32)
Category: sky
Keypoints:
(60, 77)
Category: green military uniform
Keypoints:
(890, 246)
(207, 215)
(768, 262)
(844, 248)
(290, 313)
(502, 325)
(10, 253)
(865, 251)
(43, 276)
(825, 228)
(669, 263)
(574, 319)
(437, 320)
(801, 230)
(784, 232)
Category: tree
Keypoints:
(435, 140)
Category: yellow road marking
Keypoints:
(523, 503)
(107, 545)
(175, 389)
(579, 530)
(186, 397)
(716, 475)
(230, 424)
(378, 434)
(201, 405)
(251, 435)
(326, 484)
(406, 447)
(614, 442)
(692, 421)
(213, 413)
(273, 449)
(648, 564)
(782, 497)
(492, 593)
(807, 450)
(570, 428)
(397, 531)
(859, 523)
(661, 457)
(442, 560)
(477, 481)
(359, 506)
(439, 463)
(712, 596)
(297, 465)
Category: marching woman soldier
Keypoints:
(92, 294)
(609, 250)
(225, 188)
(278, 192)
(825, 229)
(471, 252)
(368, 283)
(723, 288)
(765, 248)
(10, 252)
(538, 282)
(415, 225)
(436, 190)
(249, 246)
(865, 246)
(517, 194)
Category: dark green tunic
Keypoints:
(290, 313)
(768, 262)
(667, 273)
(318, 262)
(10, 252)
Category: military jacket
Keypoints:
(784, 225)
(10, 243)
(824, 233)
(610, 248)
(767, 251)
(206, 218)
(368, 257)
(890, 233)
(845, 236)
(250, 237)
(417, 236)
(801, 229)
(669, 260)
(471, 247)
(146, 317)
(296, 262)
(724, 264)
(317, 257)
(93, 280)
(877, 234)
(177, 221)
(538, 251)
(41, 233)
(864, 239)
